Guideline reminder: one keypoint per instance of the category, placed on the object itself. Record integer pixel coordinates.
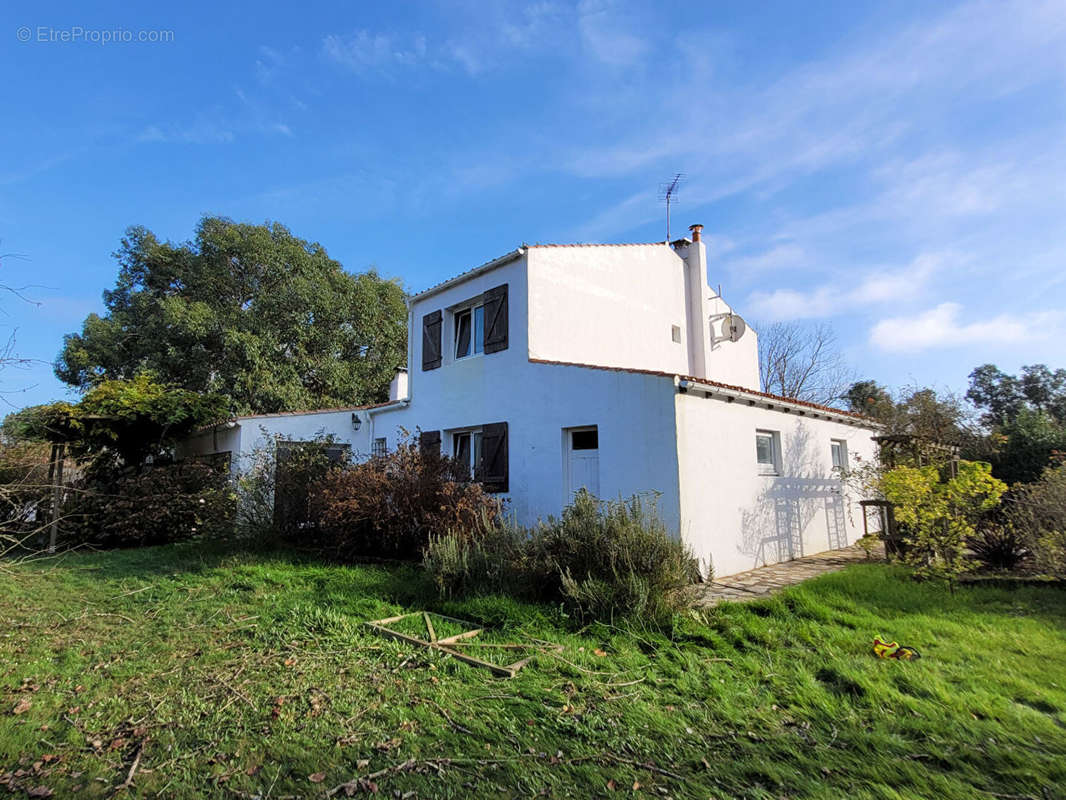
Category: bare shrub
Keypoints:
(393, 505)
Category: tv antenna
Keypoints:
(668, 192)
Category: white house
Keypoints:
(616, 368)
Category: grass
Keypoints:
(251, 676)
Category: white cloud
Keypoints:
(364, 51)
(941, 328)
(846, 295)
(605, 34)
(201, 131)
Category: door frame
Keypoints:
(567, 450)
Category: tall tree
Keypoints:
(803, 361)
(1002, 397)
(872, 399)
(247, 311)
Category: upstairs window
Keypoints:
(469, 331)
(768, 452)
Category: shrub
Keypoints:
(602, 560)
(158, 505)
(25, 494)
(1038, 512)
(940, 516)
(393, 505)
(488, 562)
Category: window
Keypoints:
(466, 449)
(768, 452)
(839, 451)
(675, 333)
(469, 331)
(585, 439)
(380, 447)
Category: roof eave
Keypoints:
(781, 403)
(488, 266)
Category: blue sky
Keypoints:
(896, 169)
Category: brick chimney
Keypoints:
(697, 232)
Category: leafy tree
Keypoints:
(120, 423)
(925, 413)
(1026, 415)
(872, 399)
(1003, 397)
(1026, 445)
(246, 311)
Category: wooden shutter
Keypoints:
(429, 442)
(492, 469)
(496, 319)
(431, 325)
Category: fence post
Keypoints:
(58, 454)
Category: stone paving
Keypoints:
(764, 581)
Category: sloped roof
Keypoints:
(707, 382)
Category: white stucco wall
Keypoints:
(742, 519)
(218, 439)
(610, 305)
(735, 363)
(615, 305)
(634, 415)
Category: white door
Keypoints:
(583, 462)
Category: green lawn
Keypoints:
(241, 676)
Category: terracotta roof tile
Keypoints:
(315, 411)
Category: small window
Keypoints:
(469, 331)
(588, 439)
(838, 448)
(380, 447)
(767, 452)
(466, 449)
(675, 333)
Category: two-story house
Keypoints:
(618, 369)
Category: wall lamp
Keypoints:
(357, 423)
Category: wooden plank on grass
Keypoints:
(460, 636)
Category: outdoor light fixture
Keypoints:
(356, 422)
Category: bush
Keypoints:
(158, 505)
(1038, 512)
(940, 516)
(393, 505)
(25, 495)
(601, 560)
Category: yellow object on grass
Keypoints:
(883, 649)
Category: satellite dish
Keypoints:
(733, 327)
